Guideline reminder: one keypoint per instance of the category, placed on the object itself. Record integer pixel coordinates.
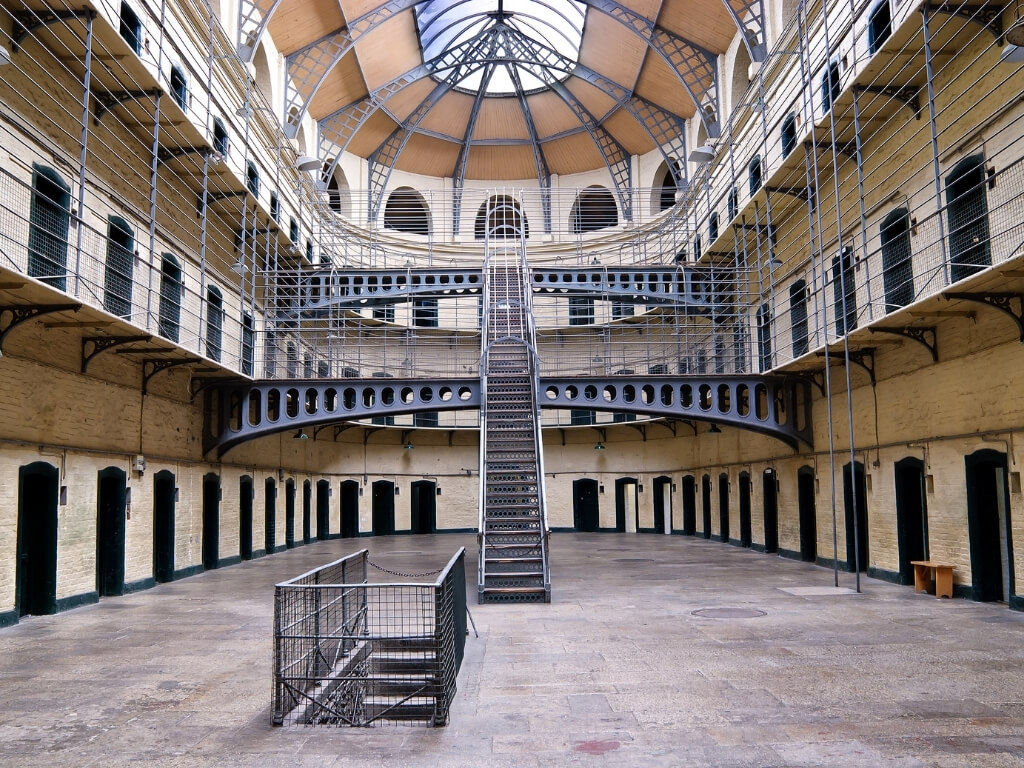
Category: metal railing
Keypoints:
(348, 652)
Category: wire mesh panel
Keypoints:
(348, 652)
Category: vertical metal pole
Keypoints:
(860, 197)
(153, 162)
(83, 154)
(205, 198)
(930, 84)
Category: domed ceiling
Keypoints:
(501, 89)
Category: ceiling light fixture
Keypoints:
(300, 435)
(599, 446)
(307, 163)
(703, 154)
(1012, 54)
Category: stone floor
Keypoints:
(618, 670)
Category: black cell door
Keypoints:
(307, 512)
(769, 493)
(383, 508)
(625, 495)
(211, 521)
(423, 506)
(706, 506)
(745, 525)
(585, 509)
(911, 516)
(808, 517)
(323, 509)
(988, 525)
(269, 515)
(163, 526)
(689, 505)
(36, 576)
(289, 514)
(723, 505)
(349, 509)
(110, 524)
(245, 495)
(856, 527)
(967, 212)
(663, 504)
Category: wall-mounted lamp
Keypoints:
(1012, 54)
(239, 267)
(774, 262)
(703, 154)
(714, 429)
(306, 163)
(300, 435)
(599, 446)
(409, 446)
(640, 488)
(437, 490)
(600, 488)
(398, 490)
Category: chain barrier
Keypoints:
(403, 575)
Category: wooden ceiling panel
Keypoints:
(503, 163)
(646, 8)
(660, 85)
(611, 50)
(390, 50)
(629, 133)
(573, 154)
(298, 23)
(341, 87)
(450, 116)
(550, 114)
(406, 100)
(428, 156)
(373, 133)
(353, 9)
(594, 100)
(704, 22)
(501, 119)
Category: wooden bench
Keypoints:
(923, 570)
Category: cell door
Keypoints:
(245, 495)
(36, 571)
(746, 535)
(163, 526)
(626, 504)
(323, 509)
(808, 515)
(988, 525)
(307, 512)
(269, 515)
(423, 501)
(110, 525)
(689, 505)
(383, 508)
(349, 509)
(723, 505)
(211, 521)
(706, 506)
(911, 516)
(663, 504)
(289, 514)
(770, 510)
(856, 527)
(585, 508)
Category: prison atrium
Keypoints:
(274, 274)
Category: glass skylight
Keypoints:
(447, 24)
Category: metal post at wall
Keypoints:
(860, 194)
(936, 170)
(83, 153)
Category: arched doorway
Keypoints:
(706, 506)
(245, 497)
(911, 516)
(307, 512)
(808, 516)
(689, 505)
(36, 571)
(289, 514)
(269, 515)
(383, 508)
(585, 506)
(423, 506)
(770, 509)
(745, 524)
(323, 509)
(988, 525)
(110, 525)
(663, 504)
(856, 527)
(967, 214)
(723, 506)
(627, 504)
(163, 526)
(211, 520)
(349, 509)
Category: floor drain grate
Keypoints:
(729, 613)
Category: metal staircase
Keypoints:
(513, 565)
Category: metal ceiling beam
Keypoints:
(749, 18)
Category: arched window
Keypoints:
(798, 317)
(754, 174)
(829, 86)
(118, 269)
(967, 212)
(406, 211)
(897, 267)
(787, 135)
(248, 343)
(131, 28)
(668, 181)
(264, 80)
(170, 298)
(214, 322)
(593, 209)
(252, 179)
(220, 137)
(844, 291)
(501, 218)
(698, 247)
(879, 26)
(291, 362)
(275, 207)
(733, 203)
(179, 87)
(713, 227)
(49, 219)
(764, 337)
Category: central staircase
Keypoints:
(513, 565)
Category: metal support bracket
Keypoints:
(848, 148)
(106, 101)
(817, 378)
(212, 197)
(1001, 301)
(988, 16)
(201, 384)
(25, 22)
(925, 336)
(153, 366)
(906, 94)
(24, 313)
(94, 345)
(798, 192)
(865, 358)
(169, 153)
